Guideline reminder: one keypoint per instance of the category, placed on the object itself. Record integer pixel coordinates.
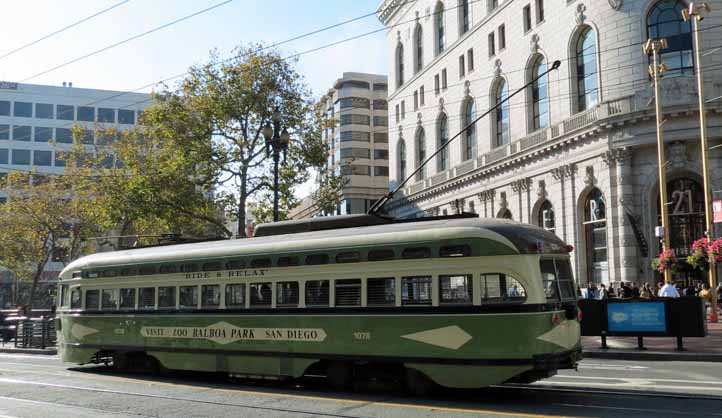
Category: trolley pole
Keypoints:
(695, 12)
(653, 46)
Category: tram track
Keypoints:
(606, 392)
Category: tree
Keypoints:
(220, 110)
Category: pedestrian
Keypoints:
(645, 292)
(668, 290)
(603, 293)
(690, 290)
(659, 288)
(626, 291)
(591, 291)
(635, 290)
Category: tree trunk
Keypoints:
(241, 229)
(36, 278)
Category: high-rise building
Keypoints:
(575, 152)
(357, 144)
(35, 127)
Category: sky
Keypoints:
(168, 52)
(172, 50)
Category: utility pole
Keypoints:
(653, 46)
(695, 12)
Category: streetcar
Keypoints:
(456, 301)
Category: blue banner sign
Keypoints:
(636, 317)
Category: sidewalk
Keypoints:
(9, 347)
(658, 348)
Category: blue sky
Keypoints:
(170, 51)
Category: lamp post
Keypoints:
(276, 143)
(694, 12)
(653, 46)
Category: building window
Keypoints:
(106, 115)
(126, 116)
(43, 134)
(44, 111)
(439, 27)
(418, 48)
(470, 60)
(22, 133)
(3, 156)
(502, 37)
(399, 65)
(381, 171)
(4, 108)
(501, 125)
(42, 158)
(381, 138)
(595, 237)
(416, 100)
(380, 104)
(63, 136)
(527, 18)
(545, 217)
(492, 44)
(379, 121)
(402, 160)
(470, 134)
(464, 17)
(586, 67)
(420, 153)
(21, 157)
(403, 109)
(4, 132)
(665, 21)
(66, 112)
(86, 114)
(398, 113)
(462, 66)
(421, 95)
(539, 95)
(380, 87)
(539, 11)
(437, 84)
(444, 84)
(491, 5)
(442, 133)
(23, 110)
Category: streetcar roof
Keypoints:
(505, 236)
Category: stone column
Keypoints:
(625, 205)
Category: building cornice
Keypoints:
(388, 9)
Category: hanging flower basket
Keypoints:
(667, 260)
(715, 251)
(699, 259)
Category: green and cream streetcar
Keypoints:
(459, 301)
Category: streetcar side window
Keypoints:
(127, 298)
(381, 255)
(188, 296)
(287, 294)
(416, 252)
(261, 294)
(566, 279)
(213, 266)
(211, 296)
(131, 271)
(261, 263)
(109, 299)
(146, 270)
(167, 269)
(92, 299)
(381, 291)
(316, 259)
(146, 298)
(348, 292)
(235, 265)
(75, 299)
(235, 295)
(455, 289)
(455, 251)
(288, 261)
(348, 257)
(416, 290)
(501, 288)
(317, 292)
(549, 279)
(166, 297)
(189, 268)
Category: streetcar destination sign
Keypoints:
(225, 333)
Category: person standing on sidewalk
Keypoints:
(646, 292)
(668, 290)
(603, 293)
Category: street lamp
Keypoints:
(276, 143)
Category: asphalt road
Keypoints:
(40, 386)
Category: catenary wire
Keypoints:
(72, 25)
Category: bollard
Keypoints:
(640, 343)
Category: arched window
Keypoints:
(418, 48)
(399, 65)
(470, 134)
(586, 67)
(439, 27)
(420, 153)
(442, 133)
(545, 217)
(501, 125)
(595, 237)
(402, 160)
(464, 16)
(539, 95)
(665, 21)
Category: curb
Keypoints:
(653, 356)
(38, 351)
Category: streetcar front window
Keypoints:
(557, 279)
(501, 288)
(549, 280)
(64, 295)
(455, 289)
(75, 299)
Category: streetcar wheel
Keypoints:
(417, 383)
(121, 363)
(339, 375)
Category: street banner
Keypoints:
(717, 211)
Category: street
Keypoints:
(40, 386)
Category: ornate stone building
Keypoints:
(576, 151)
